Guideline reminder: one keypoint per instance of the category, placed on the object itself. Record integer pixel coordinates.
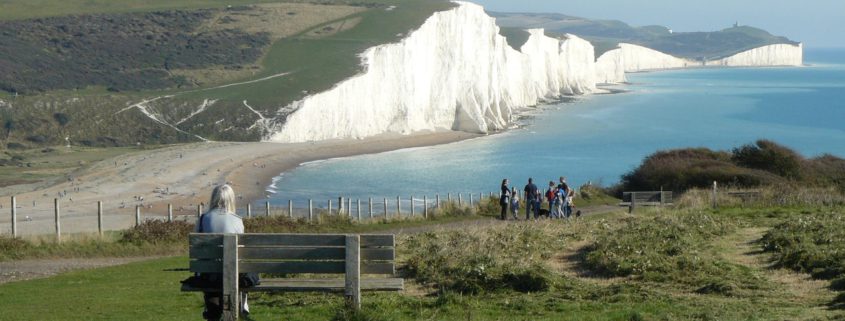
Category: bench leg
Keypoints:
(231, 294)
(353, 271)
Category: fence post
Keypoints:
(359, 210)
(349, 207)
(449, 197)
(58, 223)
(460, 199)
(399, 206)
(170, 212)
(290, 208)
(715, 200)
(633, 202)
(310, 210)
(100, 218)
(437, 200)
(413, 210)
(370, 204)
(267, 208)
(137, 215)
(199, 210)
(661, 195)
(249, 210)
(14, 218)
(425, 208)
(470, 199)
(385, 208)
(339, 207)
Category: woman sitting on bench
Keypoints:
(220, 218)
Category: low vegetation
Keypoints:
(812, 243)
(672, 249)
(472, 262)
(763, 163)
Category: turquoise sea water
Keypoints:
(598, 138)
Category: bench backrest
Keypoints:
(648, 197)
(294, 253)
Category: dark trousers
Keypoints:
(213, 306)
(504, 214)
(532, 205)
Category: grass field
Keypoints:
(554, 255)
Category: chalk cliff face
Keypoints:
(456, 72)
(771, 55)
(610, 67)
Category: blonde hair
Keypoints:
(223, 197)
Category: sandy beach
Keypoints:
(182, 175)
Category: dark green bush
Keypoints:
(838, 284)
(769, 156)
(682, 169)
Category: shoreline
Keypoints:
(183, 175)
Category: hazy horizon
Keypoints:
(816, 23)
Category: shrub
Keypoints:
(13, 248)
(682, 169)
(769, 156)
(158, 232)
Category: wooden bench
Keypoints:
(654, 198)
(746, 196)
(350, 255)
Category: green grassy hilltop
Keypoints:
(607, 34)
(205, 69)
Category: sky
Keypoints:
(817, 23)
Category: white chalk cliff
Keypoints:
(456, 72)
(771, 55)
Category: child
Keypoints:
(569, 205)
(514, 203)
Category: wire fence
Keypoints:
(64, 217)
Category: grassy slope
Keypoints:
(314, 64)
(108, 294)
(29, 9)
(607, 34)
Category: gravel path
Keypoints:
(32, 269)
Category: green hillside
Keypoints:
(207, 69)
(607, 34)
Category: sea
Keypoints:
(596, 139)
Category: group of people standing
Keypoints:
(559, 197)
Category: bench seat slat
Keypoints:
(290, 253)
(312, 285)
(292, 239)
(293, 267)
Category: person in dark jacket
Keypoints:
(504, 199)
